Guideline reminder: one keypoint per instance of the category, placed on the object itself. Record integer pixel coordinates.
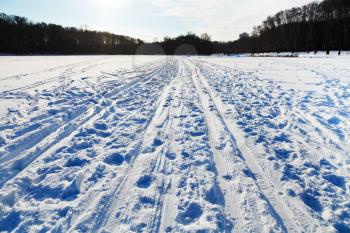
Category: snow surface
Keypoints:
(174, 144)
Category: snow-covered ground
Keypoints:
(174, 144)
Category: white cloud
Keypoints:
(223, 19)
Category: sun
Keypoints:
(108, 3)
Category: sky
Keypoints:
(151, 20)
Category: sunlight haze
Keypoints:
(153, 19)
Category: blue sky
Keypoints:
(152, 19)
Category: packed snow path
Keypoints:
(174, 144)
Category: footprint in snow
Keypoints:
(147, 201)
(334, 121)
(76, 162)
(170, 155)
(115, 159)
(9, 222)
(144, 181)
(157, 142)
(192, 213)
(100, 126)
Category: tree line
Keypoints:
(313, 27)
(188, 44)
(20, 36)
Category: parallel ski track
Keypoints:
(57, 133)
(291, 219)
(117, 184)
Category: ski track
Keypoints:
(175, 144)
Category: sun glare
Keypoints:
(107, 4)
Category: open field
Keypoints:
(174, 144)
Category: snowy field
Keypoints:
(174, 144)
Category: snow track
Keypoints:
(175, 144)
(278, 208)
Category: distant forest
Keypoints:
(20, 36)
(313, 27)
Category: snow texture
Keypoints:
(174, 144)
